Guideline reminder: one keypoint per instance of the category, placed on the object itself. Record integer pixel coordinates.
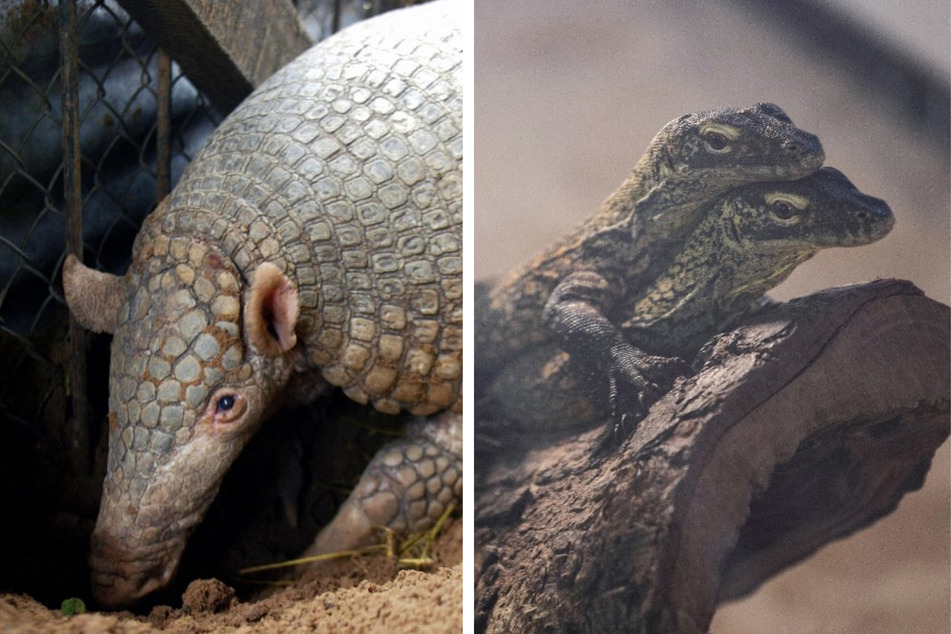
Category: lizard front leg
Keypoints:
(577, 312)
(406, 487)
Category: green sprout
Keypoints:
(72, 606)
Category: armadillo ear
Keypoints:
(93, 297)
(270, 315)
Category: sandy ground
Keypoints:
(286, 484)
(568, 94)
(365, 595)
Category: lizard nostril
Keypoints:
(796, 146)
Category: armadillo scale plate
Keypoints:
(344, 169)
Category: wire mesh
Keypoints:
(117, 97)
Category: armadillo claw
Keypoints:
(406, 487)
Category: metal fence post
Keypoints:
(72, 183)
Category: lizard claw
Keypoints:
(629, 405)
(631, 395)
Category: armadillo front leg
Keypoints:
(406, 487)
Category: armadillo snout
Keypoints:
(121, 576)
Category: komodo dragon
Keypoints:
(749, 240)
(562, 293)
(318, 233)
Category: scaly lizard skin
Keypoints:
(316, 237)
(749, 240)
(632, 236)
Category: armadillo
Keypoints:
(315, 239)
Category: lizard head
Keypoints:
(699, 156)
(732, 146)
(768, 229)
(197, 356)
(820, 211)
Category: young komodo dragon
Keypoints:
(567, 293)
(749, 240)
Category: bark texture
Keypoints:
(806, 423)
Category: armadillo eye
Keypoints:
(225, 403)
(227, 406)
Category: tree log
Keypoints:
(806, 423)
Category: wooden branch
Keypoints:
(225, 48)
(808, 422)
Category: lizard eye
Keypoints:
(716, 142)
(786, 208)
(784, 212)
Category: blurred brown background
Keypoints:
(567, 96)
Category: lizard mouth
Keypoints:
(666, 164)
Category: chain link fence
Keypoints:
(117, 97)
